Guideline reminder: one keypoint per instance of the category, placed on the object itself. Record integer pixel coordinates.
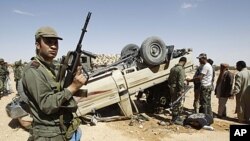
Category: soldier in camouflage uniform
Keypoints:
(7, 80)
(197, 85)
(176, 84)
(18, 70)
(51, 107)
(3, 76)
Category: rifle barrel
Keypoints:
(78, 49)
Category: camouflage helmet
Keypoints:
(18, 63)
(1, 60)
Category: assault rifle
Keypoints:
(186, 89)
(69, 64)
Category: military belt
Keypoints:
(209, 86)
(172, 85)
(47, 131)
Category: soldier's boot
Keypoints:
(196, 110)
(209, 111)
(203, 109)
(206, 110)
(178, 121)
(173, 118)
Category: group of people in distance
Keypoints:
(227, 86)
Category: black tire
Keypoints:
(153, 51)
(128, 50)
(158, 97)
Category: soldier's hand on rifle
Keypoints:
(231, 97)
(181, 93)
(187, 80)
(78, 81)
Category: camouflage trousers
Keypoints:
(205, 100)
(196, 103)
(3, 90)
(178, 107)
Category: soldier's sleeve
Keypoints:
(181, 80)
(237, 84)
(48, 100)
(7, 71)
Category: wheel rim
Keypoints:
(163, 100)
(155, 50)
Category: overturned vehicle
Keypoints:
(143, 69)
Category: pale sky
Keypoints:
(220, 28)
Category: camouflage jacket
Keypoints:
(3, 72)
(177, 77)
(18, 70)
(197, 83)
(46, 102)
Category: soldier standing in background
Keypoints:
(176, 84)
(8, 86)
(197, 86)
(18, 71)
(3, 77)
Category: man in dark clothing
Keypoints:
(197, 87)
(223, 89)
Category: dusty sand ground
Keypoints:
(121, 131)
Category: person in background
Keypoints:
(211, 62)
(51, 107)
(176, 84)
(197, 86)
(4, 73)
(242, 92)
(18, 71)
(205, 77)
(8, 80)
(223, 89)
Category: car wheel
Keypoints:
(153, 51)
(129, 50)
